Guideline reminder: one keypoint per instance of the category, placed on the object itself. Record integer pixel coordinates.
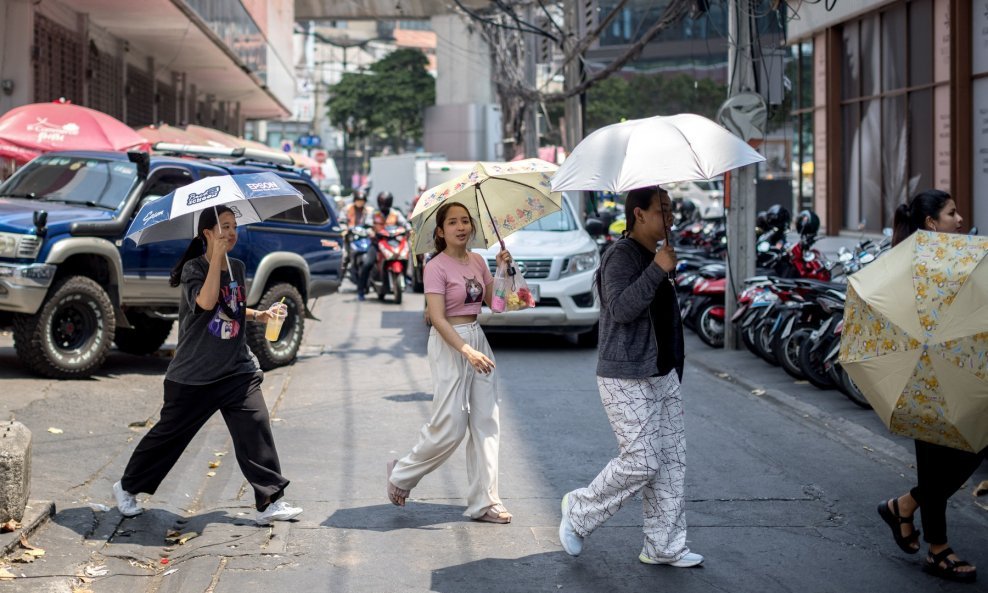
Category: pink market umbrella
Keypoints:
(30, 130)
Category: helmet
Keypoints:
(385, 200)
(687, 209)
(807, 222)
(760, 221)
(778, 217)
(359, 195)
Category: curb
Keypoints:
(36, 514)
(833, 427)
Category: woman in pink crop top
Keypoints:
(457, 283)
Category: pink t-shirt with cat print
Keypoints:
(461, 283)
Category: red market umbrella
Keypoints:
(30, 130)
(167, 133)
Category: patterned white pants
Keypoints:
(647, 418)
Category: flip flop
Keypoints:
(396, 495)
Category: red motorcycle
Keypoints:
(388, 274)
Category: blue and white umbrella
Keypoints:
(252, 197)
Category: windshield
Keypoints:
(557, 221)
(73, 180)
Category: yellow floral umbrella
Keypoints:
(501, 197)
(915, 338)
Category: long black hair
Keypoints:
(912, 216)
(441, 213)
(197, 246)
(636, 198)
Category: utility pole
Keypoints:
(573, 106)
(531, 132)
(741, 212)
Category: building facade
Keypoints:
(892, 99)
(215, 63)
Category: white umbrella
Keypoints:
(652, 151)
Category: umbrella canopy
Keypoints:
(922, 362)
(652, 151)
(30, 130)
(169, 134)
(502, 197)
(253, 197)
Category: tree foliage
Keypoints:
(615, 99)
(387, 102)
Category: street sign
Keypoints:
(286, 146)
(309, 141)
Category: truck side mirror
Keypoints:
(595, 227)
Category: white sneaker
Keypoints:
(568, 537)
(126, 503)
(690, 559)
(277, 511)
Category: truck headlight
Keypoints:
(581, 262)
(13, 245)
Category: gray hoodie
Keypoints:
(641, 333)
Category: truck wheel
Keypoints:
(146, 335)
(282, 352)
(70, 335)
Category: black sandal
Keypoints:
(949, 569)
(895, 521)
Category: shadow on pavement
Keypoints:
(387, 517)
(117, 363)
(555, 571)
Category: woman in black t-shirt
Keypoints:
(213, 370)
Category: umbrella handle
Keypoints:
(491, 217)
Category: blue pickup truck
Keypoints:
(71, 285)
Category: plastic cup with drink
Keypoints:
(278, 313)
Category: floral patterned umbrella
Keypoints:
(915, 338)
(501, 197)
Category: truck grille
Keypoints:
(531, 269)
(28, 247)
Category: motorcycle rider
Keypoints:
(385, 215)
(353, 215)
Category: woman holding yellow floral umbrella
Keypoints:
(941, 470)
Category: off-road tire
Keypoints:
(145, 335)
(69, 336)
(285, 350)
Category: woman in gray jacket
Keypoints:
(639, 367)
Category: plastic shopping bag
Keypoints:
(511, 292)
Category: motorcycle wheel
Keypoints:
(763, 341)
(747, 335)
(710, 330)
(788, 352)
(811, 361)
(396, 287)
(696, 304)
(851, 390)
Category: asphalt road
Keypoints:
(782, 483)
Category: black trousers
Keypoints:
(186, 409)
(940, 471)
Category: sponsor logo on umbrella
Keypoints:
(262, 186)
(52, 133)
(209, 194)
(152, 215)
(236, 211)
